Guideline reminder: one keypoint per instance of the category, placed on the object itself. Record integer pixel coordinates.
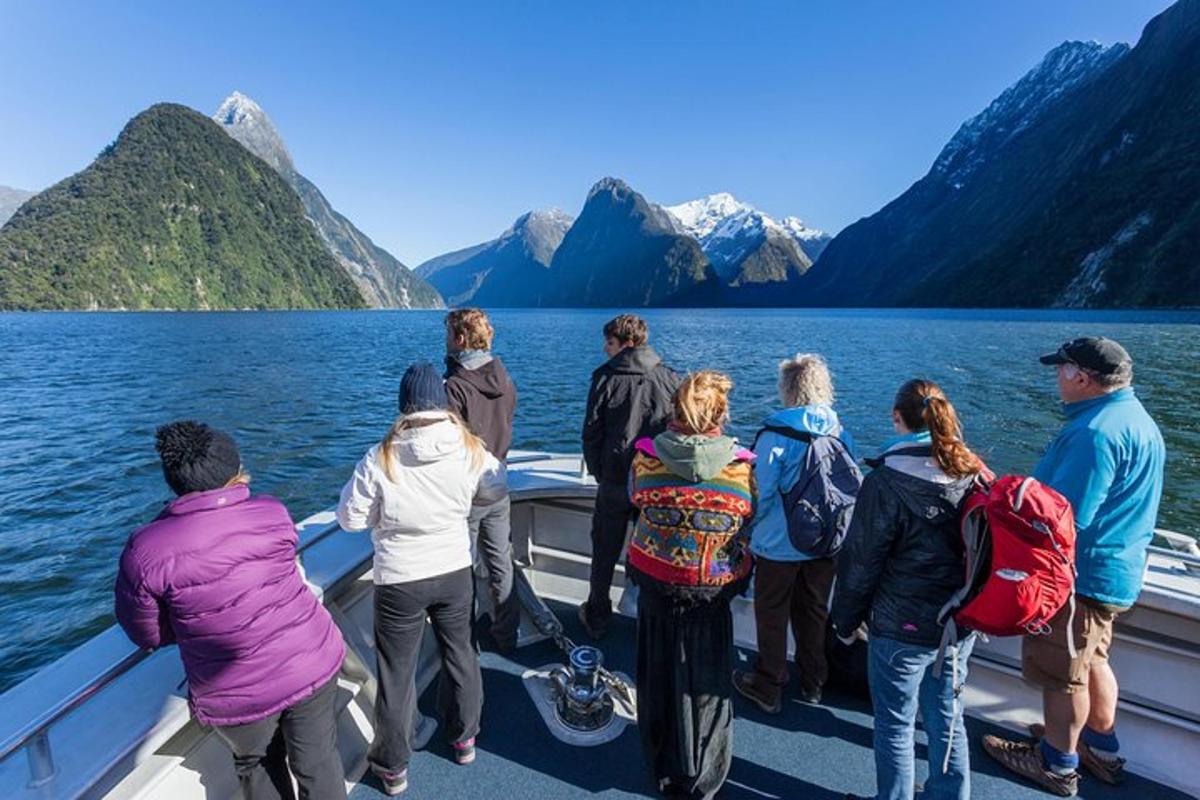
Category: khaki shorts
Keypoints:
(1045, 660)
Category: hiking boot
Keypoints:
(394, 783)
(747, 688)
(464, 752)
(1025, 759)
(595, 628)
(1107, 770)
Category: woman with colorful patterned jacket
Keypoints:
(695, 491)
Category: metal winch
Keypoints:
(583, 700)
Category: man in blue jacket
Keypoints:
(1108, 462)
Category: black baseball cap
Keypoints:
(1093, 353)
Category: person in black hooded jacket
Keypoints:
(630, 398)
(902, 561)
(480, 391)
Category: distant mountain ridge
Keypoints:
(626, 245)
(173, 215)
(623, 250)
(10, 200)
(1079, 186)
(509, 271)
(382, 279)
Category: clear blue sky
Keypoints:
(433, 125)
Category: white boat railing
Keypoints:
(34, 735)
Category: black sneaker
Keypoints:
(811, 696)
(747, 688)
(595, 628)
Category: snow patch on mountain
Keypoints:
(1064, 68)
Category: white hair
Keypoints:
(804, 380)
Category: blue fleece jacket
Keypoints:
(1108, 462)
(777, 468)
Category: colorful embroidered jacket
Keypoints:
(689, 539)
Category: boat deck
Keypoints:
(819, 752)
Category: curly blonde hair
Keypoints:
(702, 401)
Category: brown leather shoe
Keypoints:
(1108, 770)
(1024, 759)
(747, 688)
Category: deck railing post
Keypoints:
(41, 762)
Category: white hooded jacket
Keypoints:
(419, 517)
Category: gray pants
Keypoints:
(491, 533)
(303, 736)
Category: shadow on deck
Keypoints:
(818, 752)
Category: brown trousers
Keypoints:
(795, 592)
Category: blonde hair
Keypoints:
(702, 401)
(241, 479)
(472, 326)
(474, 445)
(804, 380)
(922, 405)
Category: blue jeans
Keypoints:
(902, 682)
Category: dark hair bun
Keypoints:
(183, 442)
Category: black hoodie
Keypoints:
(630, 397)
(486, 398)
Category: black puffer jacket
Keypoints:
(903, 557)
(630, 398)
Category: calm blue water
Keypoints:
(306, 393)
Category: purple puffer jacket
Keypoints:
(216, 572)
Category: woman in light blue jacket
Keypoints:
(789, 586)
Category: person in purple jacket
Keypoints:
(216, 573)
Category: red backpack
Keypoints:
(1019, 536)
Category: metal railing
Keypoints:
(34, 735)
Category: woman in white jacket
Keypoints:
(414, 491)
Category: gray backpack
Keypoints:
(819, 506)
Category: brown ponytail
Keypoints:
(922, 405)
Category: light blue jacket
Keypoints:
(1108, 462)
(777, 468)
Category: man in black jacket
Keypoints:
(481, 392)
(630, 397)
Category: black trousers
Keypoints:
(400, 612)
(684, 693)
(795, 592)
(610, 520)
(491, 530)
(302, 736)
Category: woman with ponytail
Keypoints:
(902, 561)
(695, 491)
(414, 490)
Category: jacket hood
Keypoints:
(819, 420)
(695, 457)
(927, 491)
(432, 442)
(633, 361)
(488, 377)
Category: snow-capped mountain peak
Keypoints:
(245, 121)
(699, 217)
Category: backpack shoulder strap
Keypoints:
(787, 433)
(878, 461)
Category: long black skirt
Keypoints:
(684, 694)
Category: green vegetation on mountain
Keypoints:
(174, 214)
